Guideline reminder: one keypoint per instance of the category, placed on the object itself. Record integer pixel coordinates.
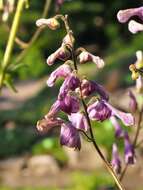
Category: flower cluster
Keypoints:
(134, 26)
(80, 99)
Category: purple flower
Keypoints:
(46, 124)
(69, 104)
(102, 110)
(52, 23)
(62, 71)
(99, 111)
(70, 83)
(79, 121)
(118, 130)
(86, 57)
(135, 27)
(125, 15)
(62, 54)
(88, 87)
(116, 163)
(70, 136)
(129, 150)
(133, 103)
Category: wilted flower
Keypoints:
(46, 124)
(129, 150)
(62, 71)
(118, 130)
(133, 103)
(70, 136)
(88, 87)
(86, 57)
(79, 121)
(116, 163)
(99, 111)
(52, 23)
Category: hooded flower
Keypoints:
(116, 163)
(52, 23)
(70, 83)
(62, 71)
(125, 15)
(62, 54)
(46, 124)
(101, 110)
(118, 130)
(129, 150)
(88, 87)
(70, 136)
(87, 57)
(79, 121)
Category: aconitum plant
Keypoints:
(82, 100)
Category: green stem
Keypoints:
(11, 40)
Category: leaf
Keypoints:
(9, 82)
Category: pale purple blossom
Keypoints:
(133, 102)
(125, 15)
(70, 136)
(79, 121)
(62, 71)
(85, 56)
(88, 87)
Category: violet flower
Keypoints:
(69, 104)
(116, 162)
(79, 121)
(70, 136)
(62, 71)
(88, 87)
(87, 57)
(129, 150)
(99, 111)
(118, 130)
(71, 83)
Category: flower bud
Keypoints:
(52, 23)
(118, 130)
(133, 103)
(116, 163)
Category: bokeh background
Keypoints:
(31, 161)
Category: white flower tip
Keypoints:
(40, 22)
(135, 27)
(139, 55)
(120, 16)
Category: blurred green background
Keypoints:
(95, 28)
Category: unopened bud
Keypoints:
(52, 23)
